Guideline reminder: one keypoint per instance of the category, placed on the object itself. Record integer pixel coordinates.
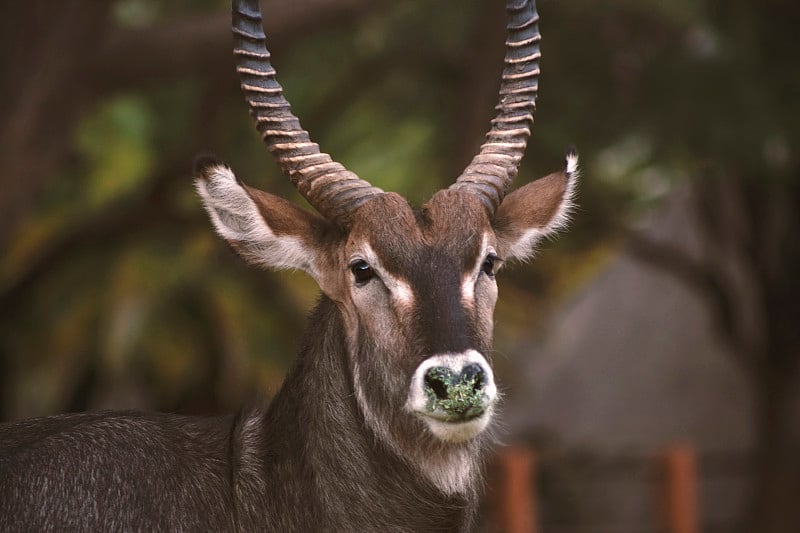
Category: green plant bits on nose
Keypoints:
(462, 397)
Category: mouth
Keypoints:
(454, 417)
(456, 429)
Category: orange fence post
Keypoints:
(678, 491)
(516, 495)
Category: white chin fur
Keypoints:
(458, 431)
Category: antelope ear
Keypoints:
(536, 210)
(264, 229)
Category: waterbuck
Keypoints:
(382, 422)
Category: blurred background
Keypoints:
(667, 315)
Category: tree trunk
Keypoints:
(776, 473)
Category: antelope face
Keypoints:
(416, 289)
(420, 292)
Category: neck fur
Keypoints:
(359, 475)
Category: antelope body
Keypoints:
(384, 419)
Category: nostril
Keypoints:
(437, 380)
(474, 374)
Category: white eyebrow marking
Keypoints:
(468, 280)
(403, 292)
(399, 288)
(468, 290)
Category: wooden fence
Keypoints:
(665, 488)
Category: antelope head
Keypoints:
(415, 287)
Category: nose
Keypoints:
(459, 394)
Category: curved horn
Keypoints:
(330, 188)
(490, 173)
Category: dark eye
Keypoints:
(488, 265)
(362, 272)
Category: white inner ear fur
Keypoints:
(236, 219)
(525, 247)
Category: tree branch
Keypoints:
(119, 222)
(195, 45)
(48, 93)
(704, 281)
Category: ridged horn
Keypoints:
(491, 172)
(331, 189)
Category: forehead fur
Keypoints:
(451, 223)
(453, 213)
(387, 223)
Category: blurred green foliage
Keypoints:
(158, 313)
(117, 144)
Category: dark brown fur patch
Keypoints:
(284, 217)
(533, 205)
